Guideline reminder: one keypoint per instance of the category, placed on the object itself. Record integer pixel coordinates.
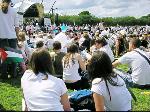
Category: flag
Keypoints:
(3, 55)
(13, 55)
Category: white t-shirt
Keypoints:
(63, 39)
(109, 52)
(140, 67)
(120, 96)
(71, 72)
(28, 28)
(49, 43)
(81, 40)
(8, 22)
(42, 95)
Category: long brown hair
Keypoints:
(41, 62)
(71, 50)
(100, 66)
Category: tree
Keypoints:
(86, 17)
(84, 13)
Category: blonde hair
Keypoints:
(21, 36)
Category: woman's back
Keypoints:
(120, 96)
(42, 95)
(70, 71)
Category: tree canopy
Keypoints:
(85, 17)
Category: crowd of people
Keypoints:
(56, 60)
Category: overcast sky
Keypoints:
(100, 8)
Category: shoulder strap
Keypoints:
(143, 56)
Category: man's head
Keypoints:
(4, 5)
(56, 45)
(134, 43)
(39, 44)
(100, 43)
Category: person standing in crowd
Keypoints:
(63, 39)
(109, 89)
(41, 90)
(9, 28)
(139, 65)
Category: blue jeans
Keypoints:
(130, 83)
(4, 66)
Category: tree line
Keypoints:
(86, 17)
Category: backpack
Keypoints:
(82, 99)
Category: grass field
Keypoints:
(10, 96)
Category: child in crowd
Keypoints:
(22, 45)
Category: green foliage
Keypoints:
(84, 13)
(86, 17)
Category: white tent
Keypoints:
(21, 7)
(29, 9)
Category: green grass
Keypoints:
(143, 100)
(10, 95)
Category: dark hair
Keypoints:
(7, 1)
(41, 62)
(101, 41)
(73, 48)
(56, 45)
(39, 44)
(136, 42)
(59, 29)
(100, 66)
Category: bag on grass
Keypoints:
(82, 99)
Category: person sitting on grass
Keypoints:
(41, 90)
(102, 45)
(139, 65)
(57, 57)
(109, 89)
(72, 61)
